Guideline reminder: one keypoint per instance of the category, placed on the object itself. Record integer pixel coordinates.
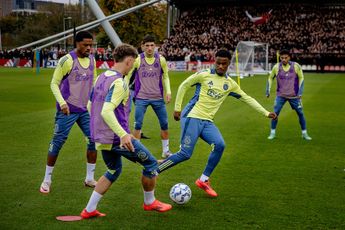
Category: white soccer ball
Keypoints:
(180, 193)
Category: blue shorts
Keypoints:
(64, 124)
(158, 107)
(142, 155)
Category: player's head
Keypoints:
(285, 56)
(223, 57)
(83, 41)
(124, 55)
(148, 45)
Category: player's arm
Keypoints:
(182, 89)
(63, 68)
(299, 72)
(130, 73)
(270, 78)
(115, 96)
(166, 80)
(238, 93)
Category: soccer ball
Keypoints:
(180, 193)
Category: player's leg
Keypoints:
(278, 105)
(296, 104)
(91, 153)
(159, 108)
(190, 131)
(114, 164)
(143, 156)
(140, 110)
(211, 135)
(63, 126)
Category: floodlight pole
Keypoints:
(168, 19)
(114, 38)
(64, 29)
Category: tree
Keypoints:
(133, 27)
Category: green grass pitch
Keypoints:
(287, 183)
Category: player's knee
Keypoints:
(184, 155)
(91, 146)
(113, 174)
(55, 147)
(219, 146)
(138, 125)
(164, 125)
(150, 169)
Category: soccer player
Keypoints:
(109, 109)
(71, 85)
(212, 86)
(290, 85)
(151, 82)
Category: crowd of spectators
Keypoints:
(313, 33)
(309, 31)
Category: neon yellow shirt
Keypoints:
(211, 91)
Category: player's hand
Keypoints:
(65, 109)
(126, 142)
(273, 115)
(167, 98)
(177, 115)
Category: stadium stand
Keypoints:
(315, 33)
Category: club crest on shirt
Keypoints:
(225, 86)
(210, 84)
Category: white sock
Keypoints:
(204, 178)
(90, 171)
(273, 131)
(93, 202)
(304, 131)
(165, 145)
(48, 175)
(149, 197)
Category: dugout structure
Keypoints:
(249, 58)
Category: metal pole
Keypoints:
(91, 24)
(0, 40)
(70, 35)
(114, 38)
(168, 20)
(266, 68)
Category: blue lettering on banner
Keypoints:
(52, 63)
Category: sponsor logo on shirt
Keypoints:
(214, 94)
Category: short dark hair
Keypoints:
(83, 34)
(285, 52)
(124, 50)
(223, 53)
(148, 38)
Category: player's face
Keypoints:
(84, 47)
(285, 59)
(222, 64)
(129, 64)
(149, 48)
